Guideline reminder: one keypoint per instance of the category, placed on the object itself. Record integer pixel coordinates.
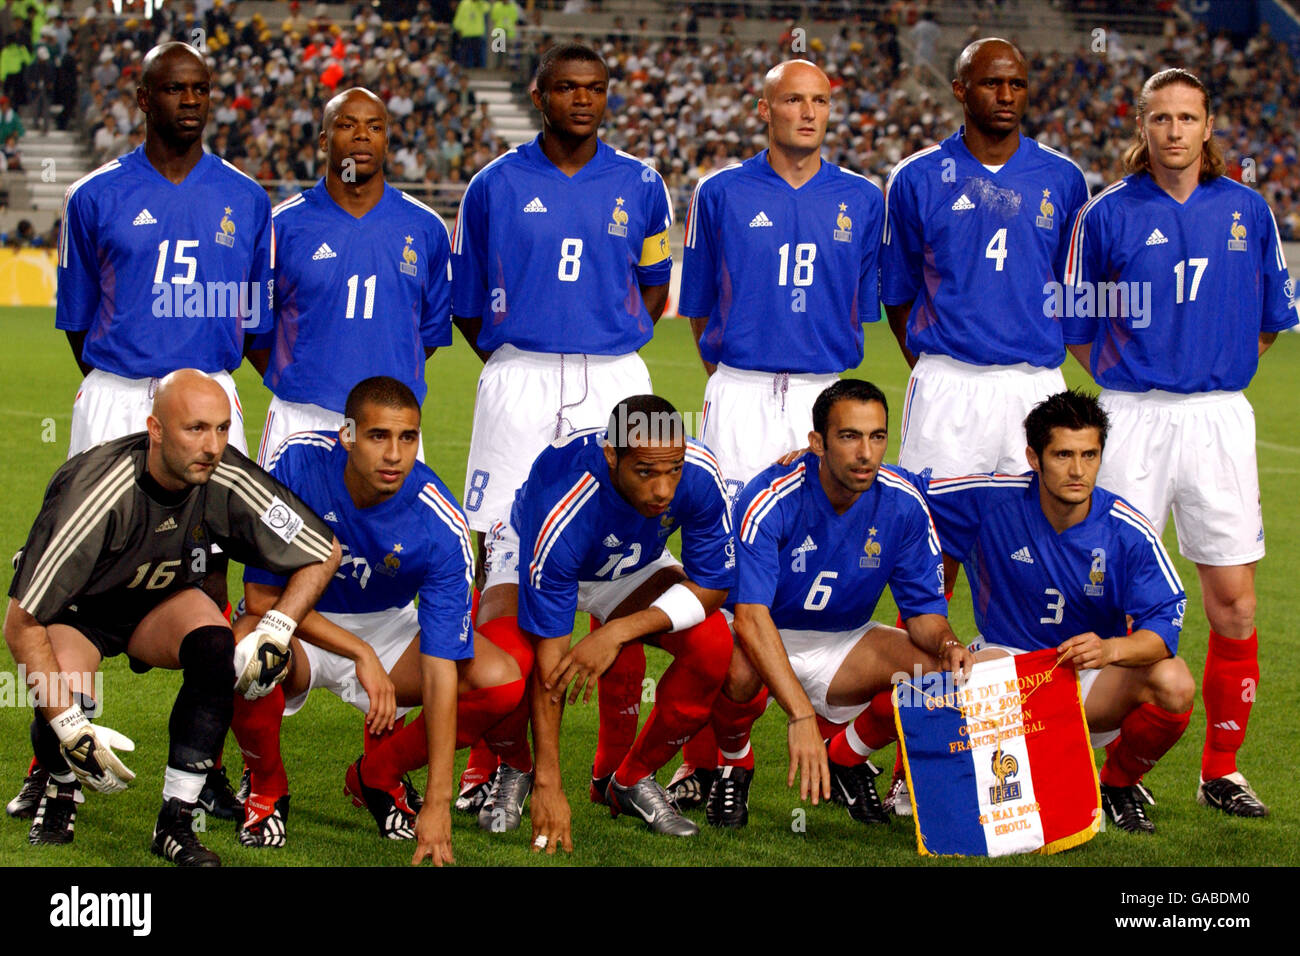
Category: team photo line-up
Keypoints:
(364, 574)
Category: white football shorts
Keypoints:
(753, 418)
(109, 406)
(598, 598)
(389, 632)
(1195, 454)
(288, 418)
(1087, 678)
(961, 419)
(525, 401)
(816, 657)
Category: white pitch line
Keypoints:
(1274, 446)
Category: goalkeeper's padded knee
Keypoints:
(201, 715)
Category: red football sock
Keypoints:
(701, 751)
(684, 697)
(256, 724)
(31, 767)
(480, 709)
(482, 761)
(870, 730)
(732, 721)
(619, 702)
(1228, 689)
(1146, 735)
(369, 741)
(827, 729)
(397, 753)
(507, 737)
(228, 613)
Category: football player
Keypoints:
(1177, 285)
(403, 536)
(111, 566)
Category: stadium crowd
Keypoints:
(684, 100)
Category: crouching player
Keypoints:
(113, 565)
(403, 536)
(1055, 561)
(587, 532)
(817, 542)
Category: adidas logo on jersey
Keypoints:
(324, 252)
(1156, 238)
(535, 205)
(808, 545)
(168, 525)
(331, 516)
(611, 541)
(760, 220)
(962, 204)
(1023, 555)
(145, 218)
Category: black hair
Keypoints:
(850, 389)
(1073, 409)
(566, 53)
(379, 390)
(644, 420)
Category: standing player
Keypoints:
(1206, 292)
(111, 566)
(403, 535)
(363, 281)
(816, 544)
(780, 273)
(1056, 561)
(165, 262)
(587, 533)
(165, 259)
(562, 264)
(976, 228)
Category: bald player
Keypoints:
(778, 278)
(363, 281)
(977, 229)
(112, 565)
(165, 262)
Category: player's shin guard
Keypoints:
(619, 701)
(684, 697)
(480, 709)
(731, 723)
(870, 730)
(256, 724)
(1228, 689)
(1146, 735)
(204, 706)
(507, 737)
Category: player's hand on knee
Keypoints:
(586, 661)
(1087, 651)
(89, 751)
(382, 693)
(262, 658)
(551, 820)
(957, 659)
(433, 834)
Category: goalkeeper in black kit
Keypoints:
(113, 565)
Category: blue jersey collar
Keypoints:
(958, 145)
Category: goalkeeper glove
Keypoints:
(89, 751)
(262, 658)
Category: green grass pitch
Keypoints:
(38, 380)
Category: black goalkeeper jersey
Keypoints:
(103, 544)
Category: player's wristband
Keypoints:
(70, 725)
(682, 607)
(277, 626)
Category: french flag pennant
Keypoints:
(1001, 764)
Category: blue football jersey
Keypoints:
(574, 526)
(553, 263)
(417, 543)
(818, 570)
(977, 251)
(1174, 296)
(1034, 588)
(355, 297)
(785, 276)
(160, 275)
